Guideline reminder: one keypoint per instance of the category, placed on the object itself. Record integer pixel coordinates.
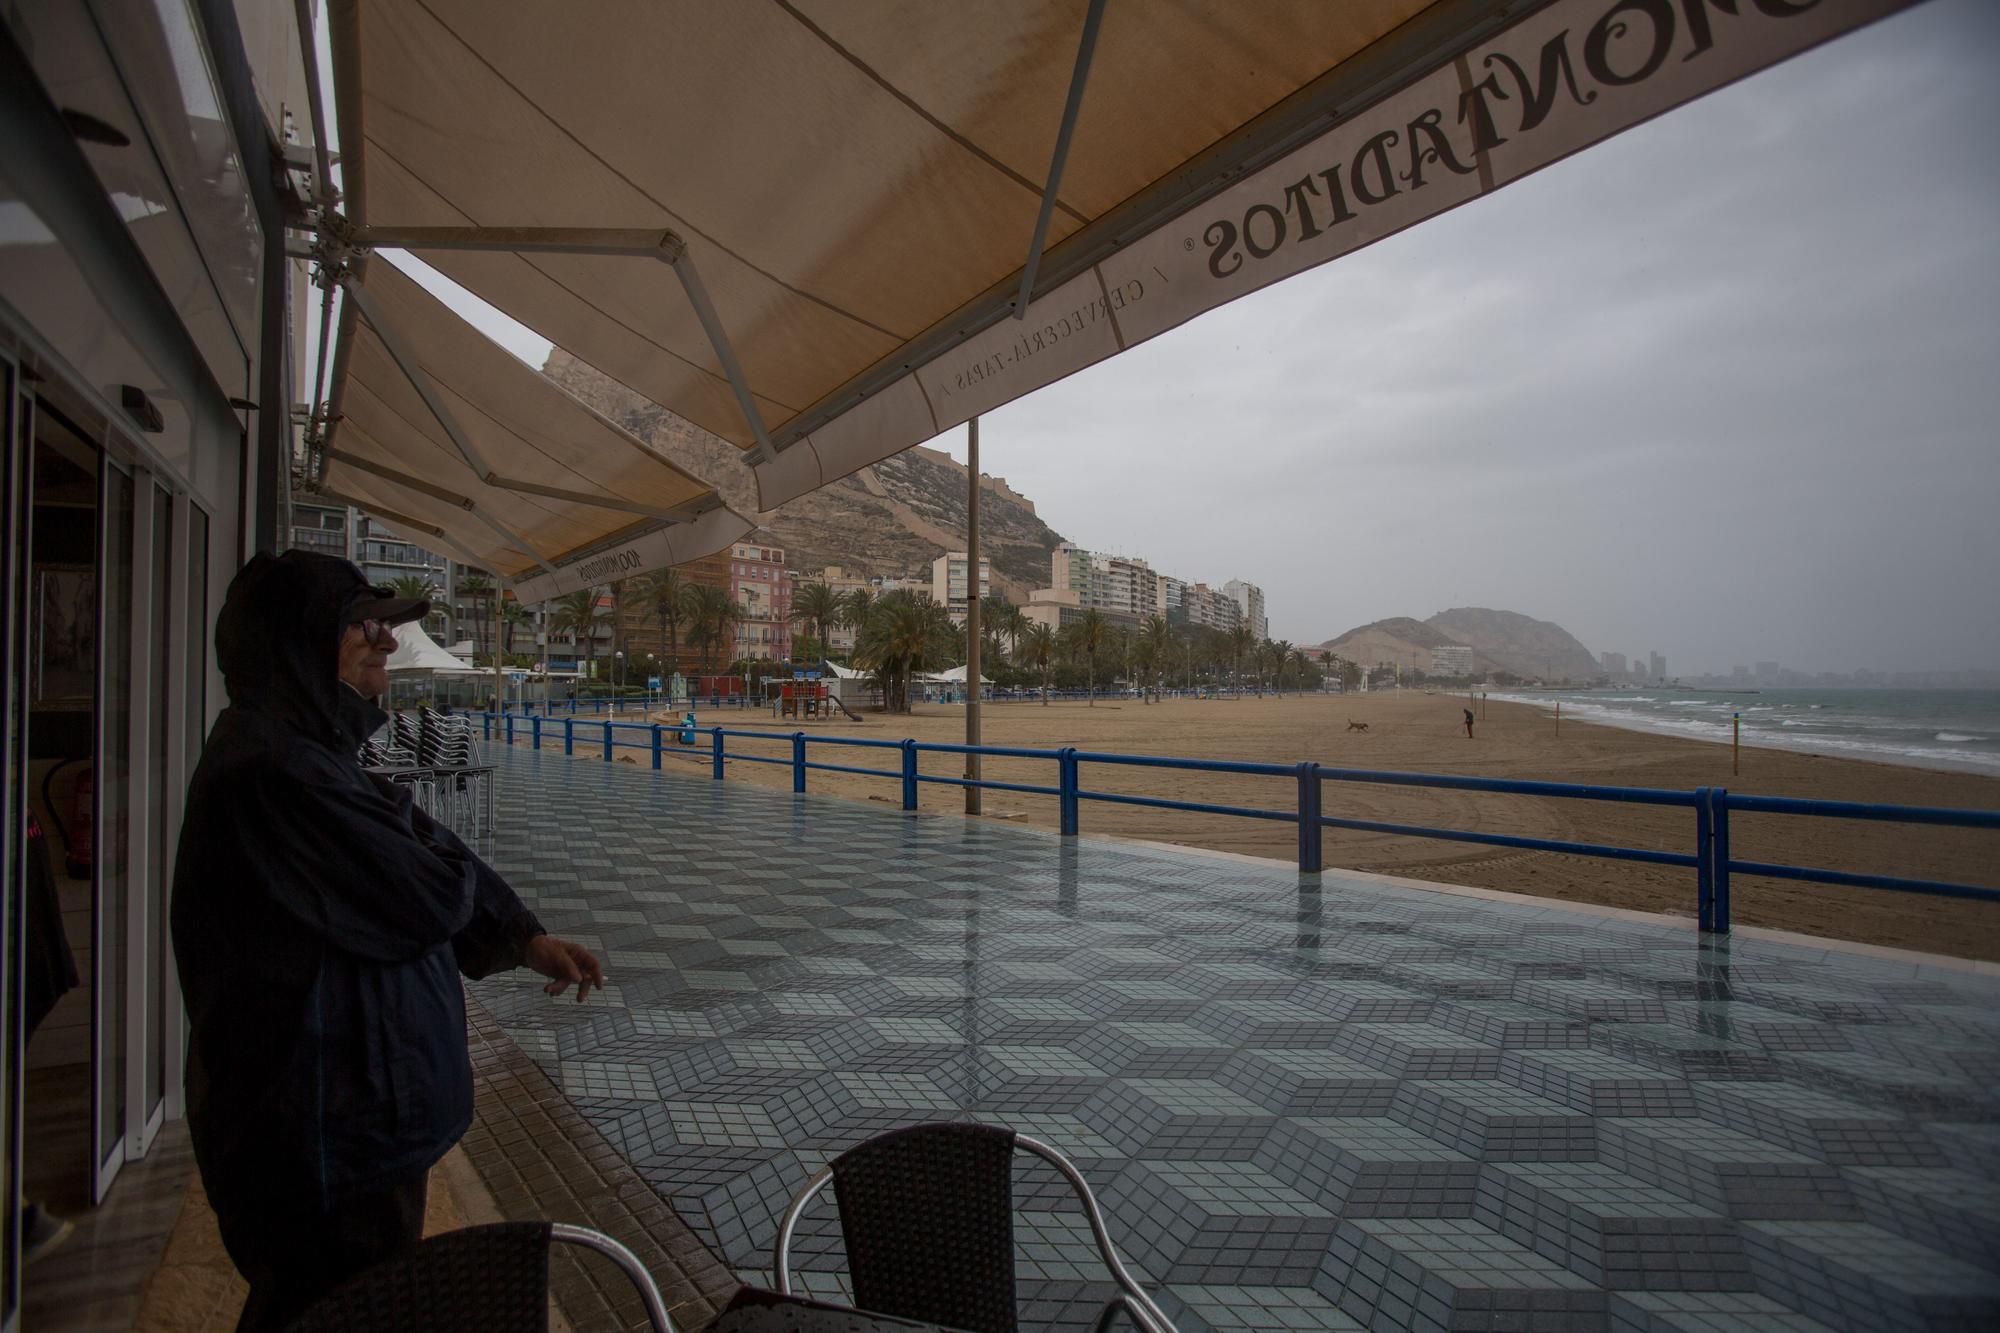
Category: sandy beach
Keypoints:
(1417, 732)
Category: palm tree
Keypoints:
(1088, 636)
(512, 616)
(663, 594)
(903, 633)
(1011, 621)
(1300, 660)
(817, 607)
(1241, 640)
(474, 587)
(711, 612)
(1041, 654)
(1281, 657)
(854, 607)
(617, 590)
(1156, 637)
(576, 614)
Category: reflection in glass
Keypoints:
(113, 801)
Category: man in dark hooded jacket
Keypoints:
(321, 922)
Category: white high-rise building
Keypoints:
(1249, 599)
(949, 582)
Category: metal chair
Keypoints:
(486, 1279)
(927, 1213)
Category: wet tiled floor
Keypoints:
(1305, 1105)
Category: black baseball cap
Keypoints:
(377, 602)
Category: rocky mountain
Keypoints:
(1397, 639)
(893, 518)
(1518, 643)
(1500, 641)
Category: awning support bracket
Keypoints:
(1086, 48)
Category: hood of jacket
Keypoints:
(277, 641)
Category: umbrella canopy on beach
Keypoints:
(827, 231)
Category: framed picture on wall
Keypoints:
(65, 637)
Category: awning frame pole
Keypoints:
(718, 338)
(972, 612)
(1086, 48)
(406, 362)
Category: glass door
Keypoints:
(151, 999)
(111, 955)
(17, 431)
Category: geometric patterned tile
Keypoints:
(1451, 1273)
(1612, 1229)
(1344, 1106)
(1860, 1276)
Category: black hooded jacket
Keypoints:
(320, 921)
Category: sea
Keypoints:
(1945, 729)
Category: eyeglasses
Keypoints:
(375, 632)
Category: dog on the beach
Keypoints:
(1352, 725)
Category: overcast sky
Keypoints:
(1726, 386)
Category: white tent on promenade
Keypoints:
(418, 651)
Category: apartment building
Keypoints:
(949, 582)
(1451, 659)
(1249, 599)
(761, 588)
(1123, 587)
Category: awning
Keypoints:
(804, 224)
(439, 430)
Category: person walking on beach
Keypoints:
(1468, 724)
(321, 923)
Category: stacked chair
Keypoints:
(465, 784)
(434, 755)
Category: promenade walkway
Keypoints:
(1307, 1104)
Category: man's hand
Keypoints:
(563, 963)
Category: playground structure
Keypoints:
(808, 697)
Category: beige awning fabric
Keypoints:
(854, 185)
(477, 447)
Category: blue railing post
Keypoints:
(510, 728)
(910, 774)
(1704, 855)
(715, 737)
(535, 726)
(1719, 871)
(656, 746)
(569, 735)
(1066, 801)
(486, 726)
(798, 761)
(1310, 856)
(607, 740)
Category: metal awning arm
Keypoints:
(406, 361)
(718, 338)
(444, 495)
(664, 245)
(547, 240)
(1085, 49)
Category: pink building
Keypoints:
(759, 586)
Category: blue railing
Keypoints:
(1711, 859)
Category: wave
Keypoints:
(1957, 737)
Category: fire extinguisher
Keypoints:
(75, 832)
